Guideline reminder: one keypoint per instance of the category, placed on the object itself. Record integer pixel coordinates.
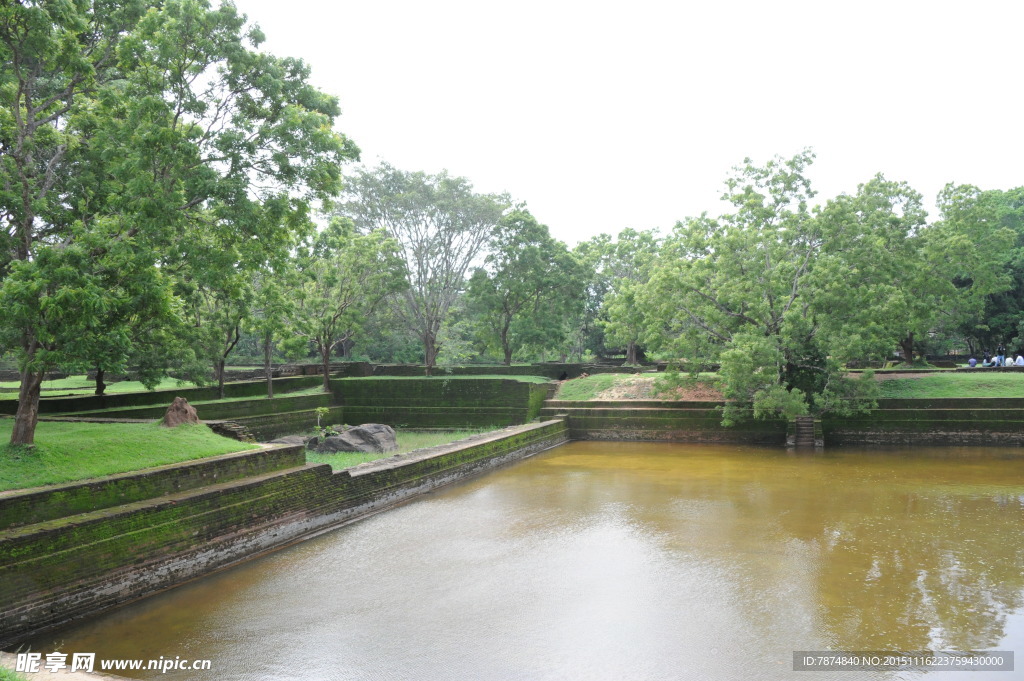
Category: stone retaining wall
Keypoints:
(25, 507)
(438, 403)
(260, 406)
(937, 421)
(660, 421)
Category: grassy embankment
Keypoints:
(75, 451)
(940, 384)
(10, 675)
(635, 387)
(586, 387)
(977, 383)
(80, 385)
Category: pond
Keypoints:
(617, 560)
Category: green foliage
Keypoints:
(586, 334)
(148, 146)
(626, 263)
(527, 288)
(740, 290)
(11, 675)
(983, 235)
(441, 227)
(340, 280)
(75, 451)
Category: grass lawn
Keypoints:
(10, 675)
(75, 451)
(408, 440)
(977, 383)
(440, 376)
(586, 387)
(80, 385)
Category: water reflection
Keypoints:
(622, 561)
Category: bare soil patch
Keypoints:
(642, 388)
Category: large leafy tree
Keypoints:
(341, 280)
(529, 285)
(980, 237)
(442, 227)
(737, 290)
(129, 128)
(627, 263)
(878, 280)
(586, 332)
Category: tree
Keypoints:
(342, 279)
(876, 278)
(270, 313)
(736, 290)
(627, 262)
(979, 238)
(441, 227)
(530, 283)
(126, 131)
(586, 332)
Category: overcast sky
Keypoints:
(605, 115)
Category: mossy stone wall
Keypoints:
(225, 410)
(660, 421)
(937, 421)
(438, 403)
(25, 507)
(270, 426)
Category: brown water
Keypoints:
(622, 561)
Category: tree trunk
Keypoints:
(907, 348)
(100, 385)
(430, 351)
(218, 367)
(268, 372)
(505, 346)
(24, 432)
(631, 353)
(232, 340)
(325, 362)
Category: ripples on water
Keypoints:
(621, 561)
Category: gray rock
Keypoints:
(369, 437)
(289, 440)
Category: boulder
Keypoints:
(180, 412)
(289, 440)
(369, 437)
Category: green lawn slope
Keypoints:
(976, 383)
(75, 451)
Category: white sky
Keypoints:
(605, 115)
